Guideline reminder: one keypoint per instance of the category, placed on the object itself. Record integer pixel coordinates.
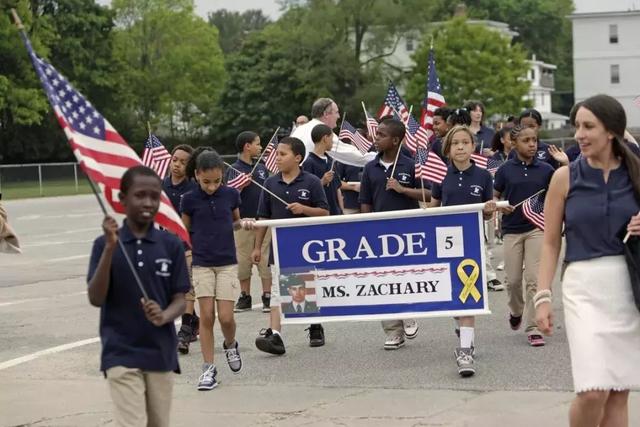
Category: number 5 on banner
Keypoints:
(449, 242)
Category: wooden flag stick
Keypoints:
(263, 151)
(122, 248)
(257, 183)
(149, 128)
(17, 20)
(533, 195)
(399, 147)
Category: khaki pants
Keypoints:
(141, 398)
(393, 328)
(518, 248)
(245, 240)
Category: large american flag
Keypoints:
(270, 153)
(237, 180)
(416, 136)
(533, 210)
(393, 102)
(433, 94)
(348, 132)
(102, 153)
(155, 156)
(434, 168)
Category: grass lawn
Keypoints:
(50, 188)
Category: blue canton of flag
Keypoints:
(421, 160)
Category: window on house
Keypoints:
(533, 74)
(409, 44)
(615, 74)
(613, 33)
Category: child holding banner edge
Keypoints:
(516, 180)
(305, 196)
(465, 183)
(381, 192)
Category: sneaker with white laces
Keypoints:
(233, 357)
(207, 380)
(394, 343)
(495, 285)
(464, 359)
(410, 328)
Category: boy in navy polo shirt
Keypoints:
(248, 148)
(306, 197)
(211, 213)
(175, 185)
(381, 192)
(516, 180)
(138, 336)
(465, 183)
(319, 165)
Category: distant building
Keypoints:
(540, 75)
(606, 55)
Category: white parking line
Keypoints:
(28, 300)
(56, 242)
(67, 258)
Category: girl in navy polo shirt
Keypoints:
(211, 213)
(501, 144)
(598, 199)
(516, 180)
(465, 183)
(551, 154)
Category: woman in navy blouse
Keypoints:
(598, 198)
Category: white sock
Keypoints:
(276, 332)
(466, 337)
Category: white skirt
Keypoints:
(603, 325)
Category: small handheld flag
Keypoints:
(270, 153)
(155, 156)
(237, 179)
(433, 98)
(348, 132)
(533, 210)
(393, 102)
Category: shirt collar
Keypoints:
(242, 162)
(468, 171)
(517, 161)
(298, 178)
(126, 235)
(402, 159)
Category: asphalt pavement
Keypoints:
(49, 359)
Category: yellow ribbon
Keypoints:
(469, 280)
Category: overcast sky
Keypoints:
(270, 8)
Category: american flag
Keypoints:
(155, 156)
(392, 102)
(348, 132)
(421, 160)
(480, 160)
(270, 155)
(493, 165)
(533, 210)
(372, 125)
(416, 136)
(237, 180)
(434, 168)
(102, 153)
(433, 94)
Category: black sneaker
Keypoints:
(515, 322)
(195, 327)
(495, 285)
(266, 303)
(243, 304)
(269, 342)
(185, 335)
(316, 335)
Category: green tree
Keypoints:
(173, 67)
(234, 27)
(473, 62)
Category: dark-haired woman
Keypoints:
(597, 197)
(483, 134)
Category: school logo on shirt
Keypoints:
(262, 174)
(163, 267)
(404, 178)
(541, 155)
(304, 194)
(476, 190)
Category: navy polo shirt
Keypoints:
(348, 173)
(436, 147)
(516, 181)
(212, 225)
(542, 154)
(484, 137)
(305, 189)
(128, 338)
(374, 181)
(250, 195)
(318, 166)
(472, 185)
(175, 192)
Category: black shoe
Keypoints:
(495, 285)
(316, 335)
(515, 322)
(266, 303)
(243, 304)
(185, 337)
(195, 327)
(269, 342)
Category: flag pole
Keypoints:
(263, 151)
(120, 244)
(257, 183)
(533, 195)
(399, 146)
(149, 129)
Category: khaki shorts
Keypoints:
(141, 398)
(220, 283)
(245, 240)
(191, 295)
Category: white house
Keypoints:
(540, 75)
(606, 53)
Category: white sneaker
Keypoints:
(394, 343)
(500, 266)
(410, 328)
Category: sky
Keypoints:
(270, 8)
(590, 6)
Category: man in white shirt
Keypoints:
(325, 111)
